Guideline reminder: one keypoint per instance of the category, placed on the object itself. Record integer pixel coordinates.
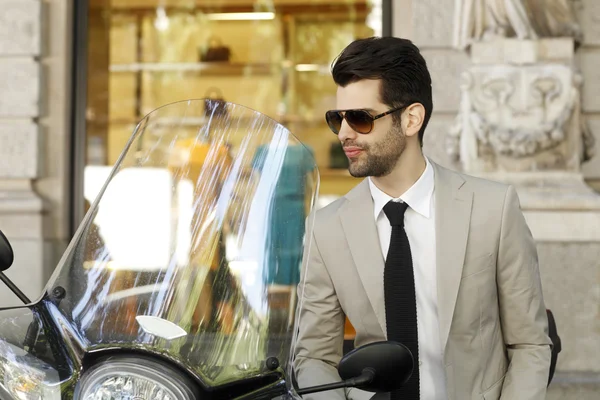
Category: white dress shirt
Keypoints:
(419, 222)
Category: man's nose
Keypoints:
(346, 132)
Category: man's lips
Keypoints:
(352, 151)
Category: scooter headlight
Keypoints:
(126, 378)
(25, 377)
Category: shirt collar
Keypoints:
(418, 196)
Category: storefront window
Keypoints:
(273, 56)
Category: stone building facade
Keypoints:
(35, 152)
(35, 85)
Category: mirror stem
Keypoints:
(14, 288)
(366, 377)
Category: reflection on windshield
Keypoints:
(202, 226)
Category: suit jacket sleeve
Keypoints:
(319, 345)
(522, 309)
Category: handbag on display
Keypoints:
(214, 103)
(215, 51)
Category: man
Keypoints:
(453, 274)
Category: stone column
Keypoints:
(20, 207)
(34, 131)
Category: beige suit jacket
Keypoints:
(493, 325)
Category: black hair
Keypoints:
(399, 65)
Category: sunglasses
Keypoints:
(359, 120)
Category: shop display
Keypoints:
(215, 51)
(273, 58)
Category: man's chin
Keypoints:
(360, 171)
(357, 172)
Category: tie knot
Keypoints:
(395, 210)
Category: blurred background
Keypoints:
(514, 100)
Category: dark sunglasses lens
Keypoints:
(334, 120)
(359, 120)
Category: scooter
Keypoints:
(180, 281)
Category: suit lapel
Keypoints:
(363, 241)
(453, 217)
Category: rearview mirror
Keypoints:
(6, 259)
(6, 253)
(376, 367)
(392, 364)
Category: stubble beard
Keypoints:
(379, 159)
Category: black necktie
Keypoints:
(400, 299)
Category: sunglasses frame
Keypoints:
(372, 117)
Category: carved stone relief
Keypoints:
(520, 118)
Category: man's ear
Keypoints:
(412, 119)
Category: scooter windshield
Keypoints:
(193, 246)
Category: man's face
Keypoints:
(375, 153)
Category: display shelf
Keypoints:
(323, 69)
(282, 119)
(220, 68)
(340, 7)
(284, 71)
(208, 68)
